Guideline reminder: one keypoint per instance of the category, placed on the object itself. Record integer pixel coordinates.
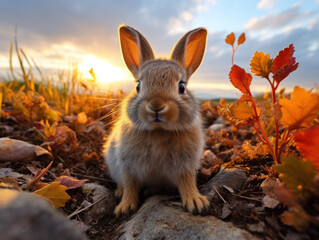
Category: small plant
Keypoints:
(291, 116)
(295, 113)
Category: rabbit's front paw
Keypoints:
(195, 203)
(125, 207)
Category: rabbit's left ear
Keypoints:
(135, 48)
(189, 50)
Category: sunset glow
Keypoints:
(105, 72)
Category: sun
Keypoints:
(105, 72)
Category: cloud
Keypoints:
(277, 21)
(267, 4)
(204, 5)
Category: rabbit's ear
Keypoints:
(189, 50)
(135, 48)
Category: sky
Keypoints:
(59, 33)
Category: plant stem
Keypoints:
(274, 101)
(285, 140)
(258, 133)
(264, 135)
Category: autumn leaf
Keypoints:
(246, 98)
(230, 39)
(308, 144)
(242, 111)
(297, 218)
(284, 64)
(70, 182)
(298, 175)
(260, 149)
(240, 79)
(241, 39)
(261, 64)
(286, 196)
(55, 193)
(300, 110)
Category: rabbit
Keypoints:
(158, 138)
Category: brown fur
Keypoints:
(158, 138)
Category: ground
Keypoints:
(223, 148)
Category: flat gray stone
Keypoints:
(230, 177)
(25, 216)
(160, 218)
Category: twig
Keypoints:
(83, 209)
(219, 194)
(248, 198)
(90, 177)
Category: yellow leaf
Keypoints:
(242, 111)
(261, 64)
(300, 110)
(55, 192)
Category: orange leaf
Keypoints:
(300, 110)
(55, 192)
(242, 111)
(241, 39)
(308, 144)
(261, 64)
(284, 63)
(240, 79)
(230, 39)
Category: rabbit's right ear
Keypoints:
(135, 48)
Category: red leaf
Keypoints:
(70, 182)
(308, 144)
(284, 63)
(240, 79)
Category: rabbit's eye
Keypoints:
(181, 87)
(138, 85)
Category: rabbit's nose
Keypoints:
(156, 105)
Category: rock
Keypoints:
(102, 208)
(231, 177)
(160, 218)
(209, 159)
(270, 202)
(258, 227)
(25, 216)
(217, 126)
(12, 150)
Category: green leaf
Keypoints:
(298, 175)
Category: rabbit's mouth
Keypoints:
(156, 117)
